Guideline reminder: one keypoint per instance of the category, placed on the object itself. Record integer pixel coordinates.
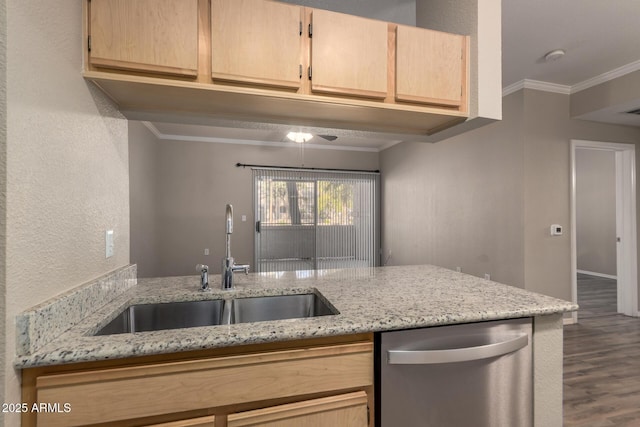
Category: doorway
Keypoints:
(623, 235)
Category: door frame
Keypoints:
(626, 249)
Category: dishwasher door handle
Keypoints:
(429, 357)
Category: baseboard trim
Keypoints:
(593, 273)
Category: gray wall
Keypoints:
(193, 182)
(484, 200)
(548, 130)
(67, 167)
(458, 203)
(3, 193)
(398, 11)
(143, 161)
(596, 211)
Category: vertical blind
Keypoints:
(311, 220)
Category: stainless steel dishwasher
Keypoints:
(469, 375)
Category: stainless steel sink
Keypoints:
(173, 315)
(259, 309)
(189, 314)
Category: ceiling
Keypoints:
(598, 37)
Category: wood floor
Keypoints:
(601, 361)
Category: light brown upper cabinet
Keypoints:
(348, 55)
(256, 42)
(152, 36)
(430, 66)
(257, 60)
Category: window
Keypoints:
(309, 220)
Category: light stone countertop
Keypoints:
(368, 299)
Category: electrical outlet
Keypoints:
(206, 251)
(487, 276)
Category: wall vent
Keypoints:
(636, 111)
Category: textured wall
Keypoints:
(143, 175)
(596, 211)
(458, 203)
(485, 200)
(3, 192)
(194, 182)
(548, 130)
(547, 370)
(67, 179)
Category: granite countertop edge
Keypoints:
(369, 300)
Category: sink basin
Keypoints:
(259, 309)
(173, 315)
(190, 314)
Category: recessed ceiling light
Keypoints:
(299, 137)
(554, 55)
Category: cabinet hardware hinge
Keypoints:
(310, 30)
(301, 28)
(89, 43)
(309, 73)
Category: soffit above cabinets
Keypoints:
(274, 136)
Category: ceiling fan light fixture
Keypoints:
(329, 138)
(299, 137)
(554, 55)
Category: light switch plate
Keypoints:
(108, 248)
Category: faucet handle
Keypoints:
(242, 267)
(204, 276)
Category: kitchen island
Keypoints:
(368, 300)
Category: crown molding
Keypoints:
(605, 77)
(568, 90)
(513, 88)
(154, 130)
(536, 85)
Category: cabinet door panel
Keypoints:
(429, 66)
(256, 41)
(110, 395)
(158, 36)
(348, 55)
(343, 410)
(194, 422)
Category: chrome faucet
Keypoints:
(228, 264)
(204, 276)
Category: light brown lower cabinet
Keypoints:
(194, 422)
(348, 410)
(329, 384)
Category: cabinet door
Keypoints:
(194, 422)
(429, 66)
(157, 36)
(257, 42)
(348, 55)
(343, 410)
